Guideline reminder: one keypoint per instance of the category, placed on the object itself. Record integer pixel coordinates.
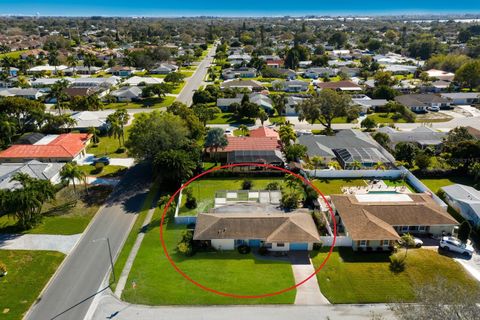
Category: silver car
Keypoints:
(455, 245)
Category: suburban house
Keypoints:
(127, 94)
(377, 220)
(164, 68)
(366, 103)
(46, 69)
(239, 58)
(273, 61)
(33, 168)
(275, 231)
(12, 71)
(339, 86)
(81, 92)
(136, 81)
(121, 71)
(251, 85)
(103, 83)
(242, 72)
(400, 69)
(317, 72)
(421, 102)
(290, 85)
(50, 148)
(462, 98)
(466, 200)
(422, 136)
(261, 99)
(349, 147)
(48, 82)
(436, 86)
(287, 73)
(262, 146)
(27, 93)
(291, 105)
(82, 70)
(440, 75)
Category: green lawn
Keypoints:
(132, 236)
(13, 54)
(108, 146)
(107, 172)
(153, 103)
(64, 215)
(350, 277)
(277, 119)
(398, 183)
(159, 284)
(229, 118)
(187, 73)
(334, 186)
(204, 190)
(179, 87)
(28, 273)
(435, 184)
(382, 117)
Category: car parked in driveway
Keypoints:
(104, 160)
(417, 243)
(455, 245)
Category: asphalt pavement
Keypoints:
(80, 277)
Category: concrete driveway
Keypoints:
(48, 242)
(309, 292)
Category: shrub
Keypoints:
(262, 251)
(247, 184)
(191, 202)
(185, 248)
(273, 186)
(243, 249)
(397, 264)
(289, 200)
(120, 150)
(3, 268)
(317, 246)
(99, 167)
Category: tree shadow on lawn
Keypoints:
(348, 255)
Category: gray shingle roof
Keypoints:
(34, 168)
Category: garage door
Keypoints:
(298, 246)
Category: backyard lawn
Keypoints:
(157, 282)
(12, 54)
(334, 186)
(229, 118)
(64, 215)
(435, 184)
(28, 273)
(382, 117)
(350, 277)
(204, 190)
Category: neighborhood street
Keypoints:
(79, 278)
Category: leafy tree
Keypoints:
(455, 136)
(286, 134)
(174, 166)
(215, 140)
(465, 153)
(423, 160)
(243, 129)
(317, 162)
(383, 139)
(385, 78)
(406, 151)
(464, 231)
(174, 77)
(468, 75)
(368, 124)
(338, 39)
(279, 102)
(323, 107)
(205, 112)
(295, 151)
(71, 172)
(262, 116)
(384, 92)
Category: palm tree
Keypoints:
(94, 102)
(115, 129)
(57, 92)
(335, 165)
(94, 132)
(88, 60)
(356, 165)
(71, 172)
(379, 166)
(317, 162)
(72, 62)
(287, 135)
(243, 129)
(216, 139)
(279, 102)
(53, 59)
(7, 130)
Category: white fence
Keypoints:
(340, 241)
(365, 174)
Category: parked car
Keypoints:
(455, 245)
(434, 108)
(104, 160)
(417, 242)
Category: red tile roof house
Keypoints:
(262, 146)
(52, 148)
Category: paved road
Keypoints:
(70, 292)
(195, 81)
(111, 308)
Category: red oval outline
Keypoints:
(232, 295)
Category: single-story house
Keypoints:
(81, 92)
(440, 75)
(261, 99)
(347, 146)
(82, 70)
(51, 148)
(421, 102)
(239, 58)
(127, 94)
(104, 82)
(275, 231)
(317, 72)
(466, 200)
(291, 105)
(350, 71)
(377, 220)
(462, 98)
(345, 85)
(136, 80)
(251, 85)
(121, 71)
(436, 86)
(287, 73)
(422, 136)
(164, 68)
(272, 61)
(242, 72)
(400, 68)
(12, 71)
(27, 93)
(366, 103)
(34, 168)
(290, 85)
(46, 69)
(48, 82)
(88, 119)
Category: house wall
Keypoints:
(340, 241)
(275, 247)
(223, 244)
(374, 244)
(464, 209)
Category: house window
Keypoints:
(413, 228)
(385, 243)
(280, 244)
(268, 245)
(404, 228)
(422, 228)
(363, 243)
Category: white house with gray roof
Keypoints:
(462, 98)
(465, 200)
(35, 169)
(421, 136)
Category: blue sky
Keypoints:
(233, 8)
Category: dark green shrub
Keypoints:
(317, 246)
(247, 184)
(99, 167)
(397, 264)
(262, 251)
(243, 249)
(273, 186)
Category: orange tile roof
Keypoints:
(251, 143)
(264, 132)
(64, 146)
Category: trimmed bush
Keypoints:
(243, 249)
(273, 186)
(99, 167)
(397, 264)
(263, 251)
(247, 184)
